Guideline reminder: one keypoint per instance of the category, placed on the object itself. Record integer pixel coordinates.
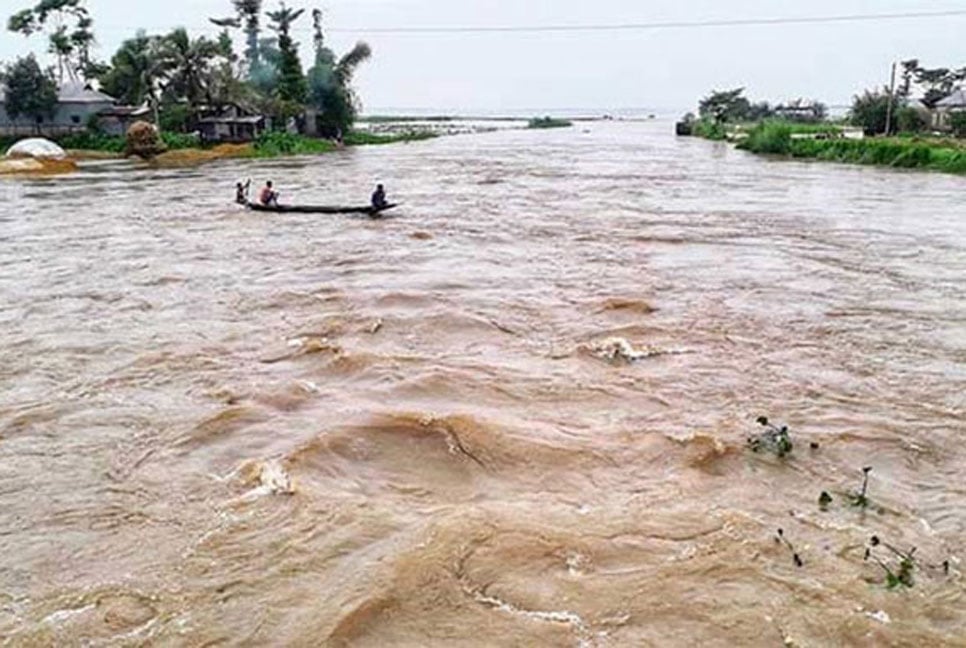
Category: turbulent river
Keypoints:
(513, 413)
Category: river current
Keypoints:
(514, 412)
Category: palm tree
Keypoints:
(190, 64)
(139, 71)
(330, 82)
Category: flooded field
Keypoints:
(513, 413)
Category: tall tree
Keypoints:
(870, 110)
(31, 92)
(292, 86)
(936, 83)
(330, 81)
(134, 70)
(725, 106)
(190, 63)
(247, 16)
(71, 35)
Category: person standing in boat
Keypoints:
(268, 196)
(379, 197)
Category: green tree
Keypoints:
(31, 92)
(330, 82)
(190, 64)
(139, 71)
(247, 16)
(936, 83)
(725, 106)
(870, 111)
(133, 70)
(292, 86)
(910, 120)
(958, 123)
(71, 35)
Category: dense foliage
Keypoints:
(958, 123)
(184, 78)
(31, 92)
(939, 155)
(870, 111)
(731, 106)
(277, 143)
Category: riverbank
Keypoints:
(831, 142)
(183, 150)
(946, 155)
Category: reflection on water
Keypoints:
(513, 414)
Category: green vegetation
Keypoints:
(731, 106)
(31, 92)
(178, 141)
(958, 123)
(90, 141)
(773, 439)
(549, 122)
(899, 574)
(709, 129)
(184, 78)
(364, 138)
(901, 152)
(275, 144)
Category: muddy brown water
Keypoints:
(512, 414)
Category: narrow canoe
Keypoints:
(319, 209)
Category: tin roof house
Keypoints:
(944, 109)
(76, 103)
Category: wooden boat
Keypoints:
(320, 209)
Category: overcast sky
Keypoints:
(667, 69)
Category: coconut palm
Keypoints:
(139, 71)
(190, 63)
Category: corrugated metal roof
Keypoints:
(955, 100)
(74, 92)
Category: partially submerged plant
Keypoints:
(900, 574)
(860, 498)
(781, 539)
(772, 439)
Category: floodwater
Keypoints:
(512, 414)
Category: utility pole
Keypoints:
(892, 96)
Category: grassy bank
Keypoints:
(186, 150)
(936, 154)
(709, 129)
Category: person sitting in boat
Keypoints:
(241, 192)
(268, 195)
(379, 197)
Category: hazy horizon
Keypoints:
(660, 70)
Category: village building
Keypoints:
(944, 109)
(77, 104)
(231, 123)
(117, 119)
